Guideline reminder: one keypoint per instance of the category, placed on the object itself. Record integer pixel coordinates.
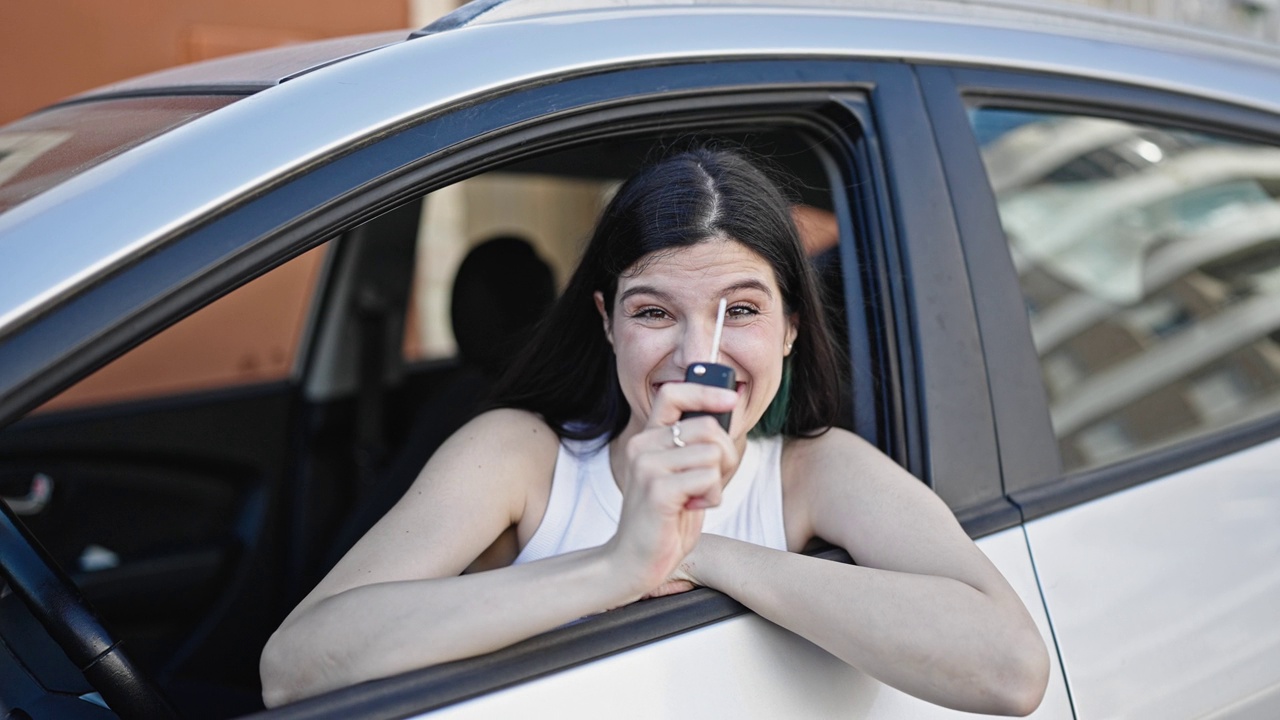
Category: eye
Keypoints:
(650, 313)
(741, 311)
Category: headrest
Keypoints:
(501, 291)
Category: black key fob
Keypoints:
(712, 374)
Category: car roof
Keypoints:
(253, 71)
(68, 237)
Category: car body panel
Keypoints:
(319, 113)
(1165, 597)
(747, 667)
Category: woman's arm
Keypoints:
(923, 610)
(396, 601)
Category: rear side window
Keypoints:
(250, 336)
(553, 214)
(45, 149)
(1149, 260)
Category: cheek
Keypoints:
(638, 351)
(757, 348)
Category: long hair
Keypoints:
(568, 373)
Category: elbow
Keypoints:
(285, 672)
(1019, 687)
(273, 670)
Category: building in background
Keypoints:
(52, 50)
(1257, 19)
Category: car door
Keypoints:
(1126, 243)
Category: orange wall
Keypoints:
(50, 49)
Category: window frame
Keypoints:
(1031, 463)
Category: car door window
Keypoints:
(247, 337)
(553, 214)
(1149, 261)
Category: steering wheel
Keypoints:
(73, 624)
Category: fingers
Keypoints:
(670, 587)
(676, 398)
(692, 488)
(705, 444)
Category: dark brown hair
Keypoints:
(568, 373)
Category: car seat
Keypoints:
(500, 292)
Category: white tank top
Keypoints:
(585, 502)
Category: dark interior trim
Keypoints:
(146, 405)
(934, 319)
(881, 388)
(1028, 451)
(989, 517)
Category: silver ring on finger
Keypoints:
(675, 435)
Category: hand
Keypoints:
(681, 579)
(666, 488)
(698, 567)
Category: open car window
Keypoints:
(230, 481)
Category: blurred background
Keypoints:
(52, 49)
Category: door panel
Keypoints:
(154, 508)
(1166, 597)
(747, 667)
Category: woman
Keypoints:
(587, 491)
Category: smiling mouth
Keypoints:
(738, 386)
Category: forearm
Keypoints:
(383, 629)
(933, 637)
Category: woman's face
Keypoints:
(663, 319)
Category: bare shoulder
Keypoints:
(507, 430)
(836, 453)
(852, 494)
(833, 440)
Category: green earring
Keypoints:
(775, 416)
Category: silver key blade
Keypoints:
(715, 339)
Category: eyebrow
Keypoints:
(644, 290)
(748, 284)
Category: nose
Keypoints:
(695, 342)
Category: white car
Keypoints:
(1050, 237)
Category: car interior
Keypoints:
(195, 505)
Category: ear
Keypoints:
(604, 315)
(793, 329)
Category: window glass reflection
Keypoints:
(1149, 259)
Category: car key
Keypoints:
(712, 373)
